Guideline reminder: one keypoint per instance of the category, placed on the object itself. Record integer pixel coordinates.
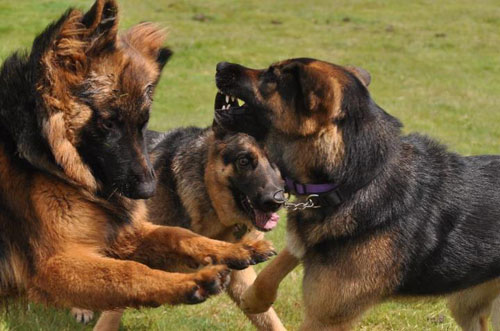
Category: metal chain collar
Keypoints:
(308, 204)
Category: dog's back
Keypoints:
(177, 154)
(455, 212)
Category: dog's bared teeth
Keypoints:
(227, 98)
(233, 99)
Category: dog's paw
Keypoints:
(82, 315)
(253, 302)
(209, 281)
(249, 252)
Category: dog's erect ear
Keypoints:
(164, 55)
(219, 131)
(101, 23)
(315, 89)
(69, 42)
(148, 38)
(363, 75)
(240, 120)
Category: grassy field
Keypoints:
(434, 64)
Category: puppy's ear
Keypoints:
(240, 121)
(164, 55)
(148, 38)
(101, 23)
(219, 131)
(360, 73)
(68, 43)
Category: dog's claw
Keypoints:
(209, 281)
(256, 252)
(82, 315)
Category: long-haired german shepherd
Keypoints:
(218, 184)
(394, 216)
(73, 113)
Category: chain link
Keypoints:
(308, 204)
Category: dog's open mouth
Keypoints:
(263, 221)
(231, 104)
(230, 115)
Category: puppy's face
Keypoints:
(298, 97)
(254, 183)
(97, 88)
(119, 89)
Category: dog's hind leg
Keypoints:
(495, 314)
(109, 320)
(90, 281)
(240, 281)
(312, 324)
(471, 307)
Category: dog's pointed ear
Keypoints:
(360, 73)
(240, 121)
(68, 43)
(164, 55)
(148, 38)
(101, 23)
(311, 86)
(219, 131)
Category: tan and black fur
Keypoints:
(73, 113)
(198, 173)
(414, 220)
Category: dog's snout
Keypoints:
(142, 184)
(146, 189)
(271, 202)
(221, 66)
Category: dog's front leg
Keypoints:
(80, 279)
(259, 297)
(109, 320)
(240, 282)
(158, 241)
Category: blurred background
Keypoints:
(434, 64)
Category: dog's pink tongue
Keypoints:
(266, 221)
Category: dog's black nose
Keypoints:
(279, 196)
(221, 66)
(272, 202)
(144, 190)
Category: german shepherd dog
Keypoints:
(73, 115)
(218, 184)
(395, 216)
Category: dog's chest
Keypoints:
(294, 242)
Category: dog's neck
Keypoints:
(350, 154)
(19, 116)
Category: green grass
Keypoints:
(434, 64)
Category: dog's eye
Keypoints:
(108, 124)
(243, 162)
(149, 91)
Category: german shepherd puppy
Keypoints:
(395, 216)
(218, 184)
(73, 115)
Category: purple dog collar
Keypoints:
(306, 189)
